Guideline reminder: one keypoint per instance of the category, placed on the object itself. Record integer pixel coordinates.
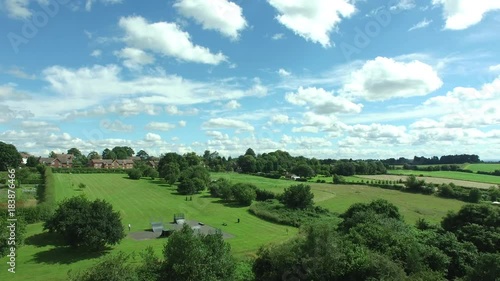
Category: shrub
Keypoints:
(134, 174)
(298, 196)
(263, 195)
(244, 193)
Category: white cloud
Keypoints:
(462, 14)
(463, 94)
(233, 104)
(278, 36)
(174, 110)
(116, 126)
(167, 39)
(160, 126)
(134, 58)
(384, 78)
(39, 126)
(89, 3)
(19, 73)
(150, 137)
(283, 73)
(9, 92)
(404, 5)
(182, 123)
(17, 9)
(422, 24)
(322, 102)
(313, 20)
(224, 123)
(217, 135)
(305, 129)
(280, 119)
(96, 53)
(494, 68)
(377, 131)
(221, 15)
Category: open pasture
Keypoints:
(492, 180)
(485, 167)
(434, 180)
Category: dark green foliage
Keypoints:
(197, 172)
(243, 271)
(244, 193)
(298, 196)
(9, 156)
(85, 223)
(32, 161)
(494, 193)
(273, 211)
(360, 213)
(189, 256)
(150, 267)
(187, 187)
(474, 195)
(247, 164)
(220, 188)
(486, 269)
(337, 179)
(170, 172)
(478, 224)
(263, 195)
(115, 267)
(303, 171)
(134, 174)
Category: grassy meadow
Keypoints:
(139, 202)
(450, 175)
(485, 167)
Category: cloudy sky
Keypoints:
(319, 78)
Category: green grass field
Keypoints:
(43, 258)
(450, 175)
(485, 167)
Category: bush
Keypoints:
(134, 174)
(244, 193)
(298, 196)
(263, 195)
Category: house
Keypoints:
(125, 163)
(292, 177)
(111, 164)
(153, 163)
(24, 158)
(60, 161)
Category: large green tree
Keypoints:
(170, 172)
(298, 196)
(9, 156)
(192, 256)
(85, 223)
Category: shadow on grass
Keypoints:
(230, 204)
(45, 239)
(67, 255)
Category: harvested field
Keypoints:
(430, 180)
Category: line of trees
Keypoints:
(434, 160)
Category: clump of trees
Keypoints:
(88, 224)
(241, 193)
(9, 156)
(193, 180)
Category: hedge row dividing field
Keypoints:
(450, 175)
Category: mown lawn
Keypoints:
(139, 202)
(450, 175)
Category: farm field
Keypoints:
(434, 180)
(338, 198)
(450, 175)
(485, 167)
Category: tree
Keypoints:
(134, 174)
(9, 156)
(93, 155)
(219, 187)
(337, 179)
(191, 256)
(75, 151)
(474, 195)
(413, 184)
(87, 224)
(115, 267)
(298, 196)
(187, 187)
(250, 152)
(487, 268)
(303, 171)
(244, 193)
(197, 172)
(247, 163)
(5, 238)
(170, 172)
(123, 152)
(52, 154)
(143, 154)
(32, 161)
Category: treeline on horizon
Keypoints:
(434, 160)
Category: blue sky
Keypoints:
(319, 78)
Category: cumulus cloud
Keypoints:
(217, 135)
(403, 5)
(167, 39)
(460, 94)
(150, 137)
(313, 20)
(280, 119)
(134, 58)
(385, 78)
(278, 36)
(96, 53)
(224, 123)
(322, 101)
(160, 126)
(283, 73)
(221, 15)
(233, 104)
(116, 126)
(494, 68)
(462, 14)
(17, 9)
(89, 3)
